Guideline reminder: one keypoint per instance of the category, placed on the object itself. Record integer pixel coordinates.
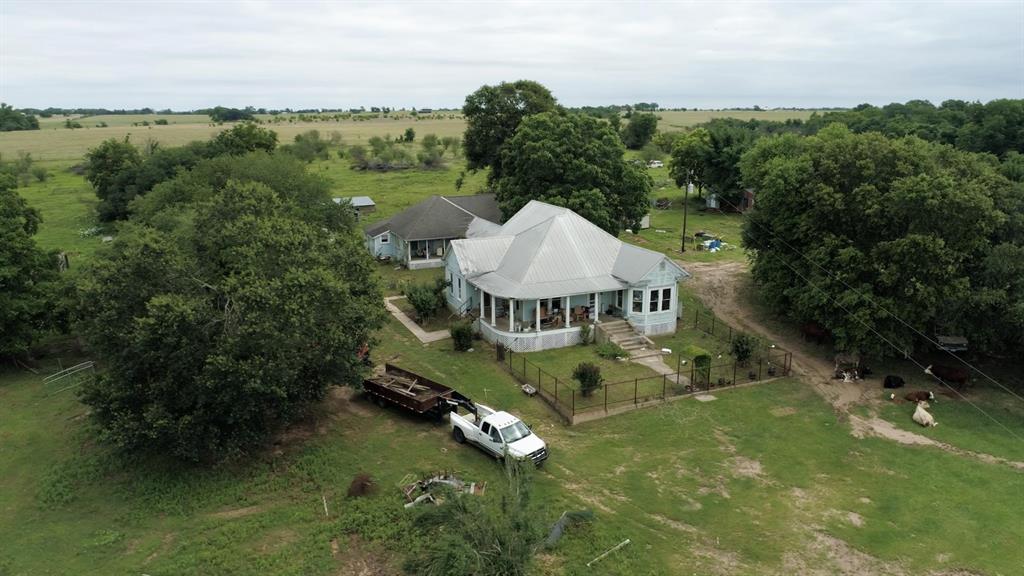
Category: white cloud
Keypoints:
(304, 54)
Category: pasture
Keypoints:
(54, 142)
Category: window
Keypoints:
(638, 300)
(451, 283)
(653, 301)
(385, 238)
(666, 299)
(460, 288)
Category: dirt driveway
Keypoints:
(718, 285)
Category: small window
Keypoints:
(385, 238)
(653, 302)
(460, 288)
(451, 283)
(666, 299)
(638, 300)
(486, 428)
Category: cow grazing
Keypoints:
(948, 374)
(893, 381)
(922, 416)
(920, 396)
(815, 331)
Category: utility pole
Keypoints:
(686, 197)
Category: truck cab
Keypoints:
(499, 434)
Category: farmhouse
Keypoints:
(419, 237)
(533, 281)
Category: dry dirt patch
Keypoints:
(238, 512)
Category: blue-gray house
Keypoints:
(534, 280)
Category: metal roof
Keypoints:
(545, 251)
(438, 217)
(356, 201)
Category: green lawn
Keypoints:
(67, 204)
(744, 484)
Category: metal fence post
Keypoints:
(734, 362)
(712, 324)
(573, 401)
(538, 377)
(664, 385)
(606, 399)
(636, 388)
(730, 334)
(556, 390)
(692, 383)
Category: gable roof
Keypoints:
(438, 217)
(545, 251)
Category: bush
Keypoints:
(743, 347)
(462, 335)
(499, 350)
(160, 122)
(41, 174)
(425, 299)
(584, 334)
(611, 351)
(588, 375)
(703, 365)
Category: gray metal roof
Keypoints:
(545, 251)
(356, 201)
(439, 217)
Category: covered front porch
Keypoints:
(531, 324)
(426, 253)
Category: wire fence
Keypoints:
(564, 396)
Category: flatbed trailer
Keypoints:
(414, 393)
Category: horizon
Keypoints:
(399, 55)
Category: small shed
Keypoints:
(362, 204)
(952, 343)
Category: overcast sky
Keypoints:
(339, 55)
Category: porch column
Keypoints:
(408, 248)
(566, 307)
(627, 305)
(493, 306)
(480, 294)
(597, 306)
(536, 313)
(511, 314)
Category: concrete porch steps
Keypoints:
(621, 333)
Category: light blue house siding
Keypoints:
(460, 296)
(383, 245)
(652, 305)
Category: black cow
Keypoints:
(893, 381)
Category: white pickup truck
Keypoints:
(500, 434)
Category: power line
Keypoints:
(883, 308)
(895, 347)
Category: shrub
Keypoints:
(703, 365)
(584, 334)
(160, 122)
(499, 350)
(743, 346)
(40, 173)
(611, 351)
(424, 300)
(588, 375)
(462, 335)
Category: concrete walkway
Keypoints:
(654, 363)
(423, 335)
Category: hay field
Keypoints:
(54, 142)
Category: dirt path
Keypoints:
(717, 284)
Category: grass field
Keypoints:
(763, 480)
(54, 142)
